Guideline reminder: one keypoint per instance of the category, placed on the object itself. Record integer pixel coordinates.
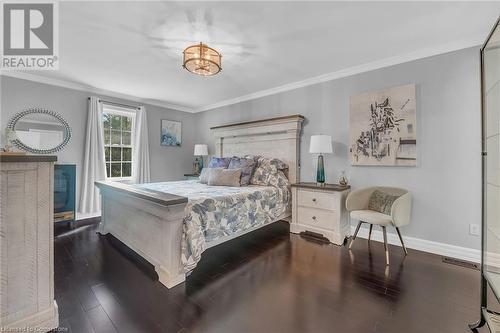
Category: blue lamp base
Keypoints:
(320, 171)
(200, 163)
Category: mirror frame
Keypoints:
(19, 144)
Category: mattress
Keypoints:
(216, 212)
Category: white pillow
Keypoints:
(224, 177)
(205, 174)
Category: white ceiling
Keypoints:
(135, 48)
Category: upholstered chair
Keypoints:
(397, 214)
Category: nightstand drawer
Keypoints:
(318, 218)
(315, 199)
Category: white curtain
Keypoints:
(94, 164)
(140, 161)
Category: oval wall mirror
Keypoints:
(39, 131)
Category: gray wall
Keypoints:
(167, 163)
(446, 184)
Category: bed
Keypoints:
(170, 224)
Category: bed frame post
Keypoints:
(151, 229)
(101, 228)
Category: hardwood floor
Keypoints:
(266, 281)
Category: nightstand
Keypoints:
(320, 209)
(191, 176)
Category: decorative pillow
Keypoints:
(246, 165)
(224, 177)
(205, 174)
(279, 180)
(381, 202)
(267, 168)
(219, 162)
(279, 164)
(254, 157)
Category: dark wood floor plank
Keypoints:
(68, 304)
(266, 281)
(72, 315)
(123, 317)
(79, 323)
(100, 320)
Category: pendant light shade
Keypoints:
(202, 60)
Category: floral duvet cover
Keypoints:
(214, 212)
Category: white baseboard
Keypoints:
(492, 260)
(83, 216)
(443, 249)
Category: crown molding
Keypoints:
(367, 67)
(93, 90)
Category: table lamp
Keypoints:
(320, 144)
(200, 150)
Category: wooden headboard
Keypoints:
(274, 137)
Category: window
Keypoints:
(118, 124)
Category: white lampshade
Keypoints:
(321, 144)
(200, 150)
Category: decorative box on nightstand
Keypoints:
(320, 209)
(191, 176)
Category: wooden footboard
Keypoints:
(148, 222)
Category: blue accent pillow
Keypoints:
(219, 162)
(246, 165)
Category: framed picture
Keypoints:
(171, 133)
(383, 127)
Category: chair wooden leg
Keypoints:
(384, 231)
(370, 232)
(355, 234)
(402, 243)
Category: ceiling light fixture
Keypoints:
(202, 60)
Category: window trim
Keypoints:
(124, 112)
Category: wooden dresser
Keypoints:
(27, 244)
(320, 209)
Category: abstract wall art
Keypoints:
(171, 133)
(383, 127)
